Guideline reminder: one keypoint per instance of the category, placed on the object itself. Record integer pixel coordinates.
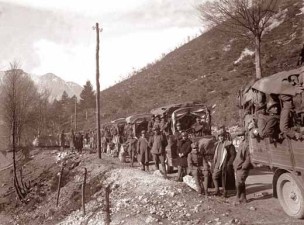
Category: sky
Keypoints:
(57, 36)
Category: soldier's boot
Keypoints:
(179, 174)
(147, 167)
(217, 189)
(143, 167)
(238, 194)
(243, 198)
(164, 171)
(205, 184)
(156, 166)
(225, 193)
(169, 169)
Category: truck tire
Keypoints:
(290, 196)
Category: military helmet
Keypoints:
(271, 103)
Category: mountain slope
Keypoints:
(206, 69)
(56, 86)
(53, 84)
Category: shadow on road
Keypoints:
(260, 171)
(257, 187)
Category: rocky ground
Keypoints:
(136, 197)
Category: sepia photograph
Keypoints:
(160, 112)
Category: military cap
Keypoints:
(221, 132)
(241, 133)
(194, 145)
(184, 134)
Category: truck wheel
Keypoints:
(290, 196)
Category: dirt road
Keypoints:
(137, 197)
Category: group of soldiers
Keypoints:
(218, 161)
(279, 117)
(77, 141)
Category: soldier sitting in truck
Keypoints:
(197, 127)
(268, 125)
(287, 118)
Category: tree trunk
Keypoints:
(16, 183)
(258, 67)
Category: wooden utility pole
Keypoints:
(83, 191)
(75, 114)
(98, 91)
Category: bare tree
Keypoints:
(19, 100)
(248, 18)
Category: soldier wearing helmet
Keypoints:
(268, 125)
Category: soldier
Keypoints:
(268, 125)
(62, 140)
(223, 164)
(116, 140)
(103, 141)
(287, 118)
(171, 152)
(197, 127)
(198, 167)
(206, 148)
(183, 149)
(206, 130)
(178, 132)
(158, 144)
(157, 122)
(227, 135)
(79, 142)
(164, 125)
(132, 144)
(143, 150)
(242, 165)
(151, 124)
(128, 130)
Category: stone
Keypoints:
(151, 219)
(172, 194)
(252, 208)
(157, 173)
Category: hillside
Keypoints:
(204, 70)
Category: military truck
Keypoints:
(284, 155)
